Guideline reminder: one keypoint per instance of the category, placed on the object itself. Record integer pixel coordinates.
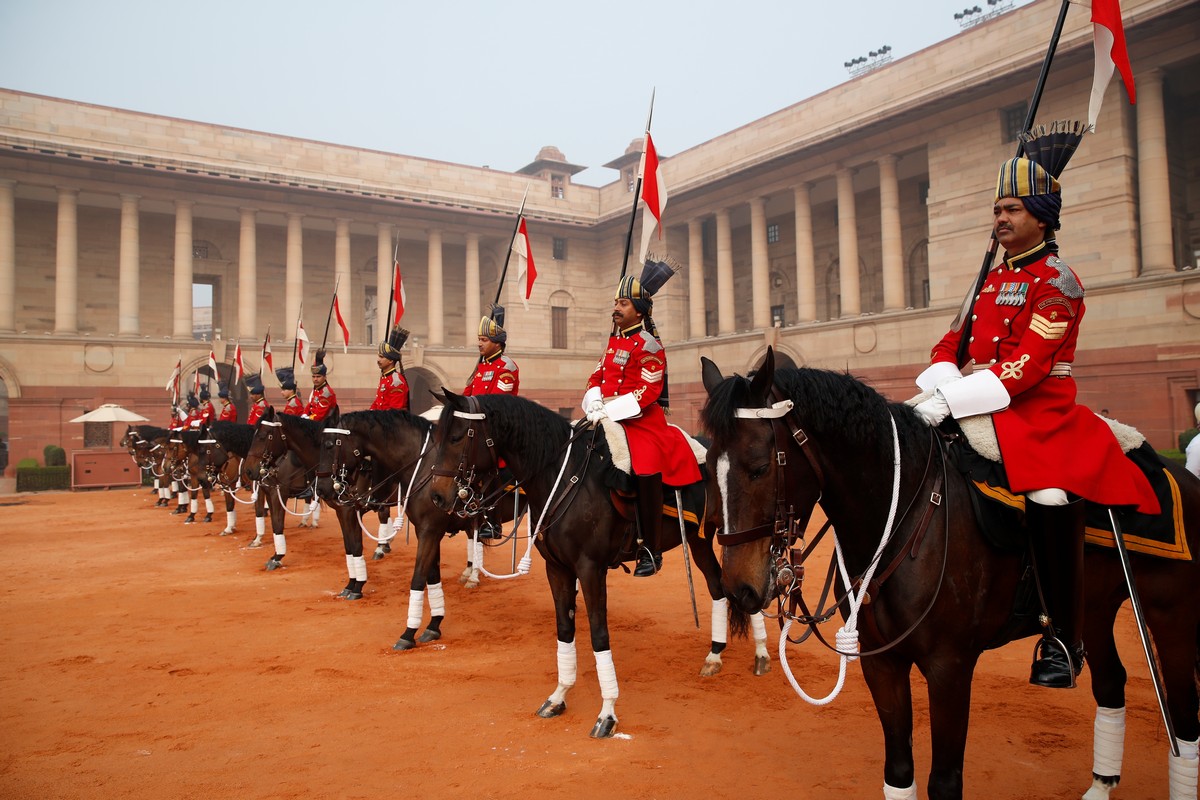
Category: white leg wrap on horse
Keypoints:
(720, 620)
(382, 531)
(280, 544)
(478, 554)
(315, 510)
(1182, 771)
(360, 568)
(350, 566)
(416, 606)
(892, 793)
(437, 600)
(260, 527)
(1108, 742)
(759, 626)
(567, 665)
(607, 675)
(183, 498)
(193, 505)
(230, 520)
(208, 506)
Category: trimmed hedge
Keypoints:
(43, 479)
(54, 456)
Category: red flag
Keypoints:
(524, 252)
(654, 195)
(398, 296)
(173, 381)
(337, 312)
(302, 343)
(266, 353)
(212, 362)
(238, 367)
(1109, 37)
(196, 389)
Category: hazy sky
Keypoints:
(482, 83)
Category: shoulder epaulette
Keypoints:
(1064, 279)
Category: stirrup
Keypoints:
(1055, 665)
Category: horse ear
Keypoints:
(448, 397)
(760, 386)
(333, 418)
(711, 374)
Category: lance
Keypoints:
(507, 256)
(391, 292)
(993, 244)
(329, 316)
(637, 193)
(296, 341)
(263, 365)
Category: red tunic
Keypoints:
(497, 374)
(207, 412)
(194, 415)
(320, 403)
(257, 409)
(293, 406)
(228, 412)
(392, 392)
(635, 363)
(1026, 323)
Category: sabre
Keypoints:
(1143, 632)
(687, 563)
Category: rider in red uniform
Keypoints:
(207, 412)
(287, 384)
(392, 392)
(495, 373)
(258, 404)
(322, 398)
(228, 411)
(629, 385)
(1025, 326)
(194, 414)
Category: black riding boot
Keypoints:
(1057, 539)
(650, 514)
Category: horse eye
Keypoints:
(758, 472)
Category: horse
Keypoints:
(220, 451)
(584, 532)
(790, 437)
(182, 462)
(362, 459)
(146, 445)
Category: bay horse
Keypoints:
(789, 438)
(147, 446)
(182, 462)
(584, 533)
(220, 451)
(363, 460)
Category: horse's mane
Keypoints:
(532, 429)
(151, 432)
(235, 436)
(311, 429)
(831, 404)
(190, 438)
(387, 421)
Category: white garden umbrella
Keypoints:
(110, 412)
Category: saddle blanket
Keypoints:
(618, 445)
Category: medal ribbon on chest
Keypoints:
(1012, 294)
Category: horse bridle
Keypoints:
(217, 476)
(470, 488)
(268, 462)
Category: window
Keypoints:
(773, 233)
(777, 316)
(630, 179)
(200, 250)
(1012, 121)
(557, 186)
(923, 191)
(202, 310)
(558, 328)
(97, 434)
(560, 248)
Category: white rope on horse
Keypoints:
(523, 567)
(283, 504)
(527, 560)
(847, 635)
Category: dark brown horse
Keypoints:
(219, 455)
(941, 594)
(566, 472)
(147, 446)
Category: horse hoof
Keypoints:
(762, 665)
(377, 555)
(604, 728)
(273, 564)
(551, 710)
(255, 543)
(386, 547)
(471, 583)
(430, 635)
(354, 595)
(462, 579)
(227, 532)
(404, 644)
(190, 519)
(710, 669)
(208, 517)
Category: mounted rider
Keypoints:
(322, 399)
(495, 373)
(207, 413)
(392, 392)
(1025, 327)
(258, 403)
(229, 412)
(287, 384)
(629, 386)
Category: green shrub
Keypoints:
(54, 456)
(26, 463)
(1186, 437)
(1173, 455)
(42, 479)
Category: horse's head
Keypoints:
(266, 448)
(213, 458)
(130, 439)
(463, 453)
(764, 490)
(345, 467)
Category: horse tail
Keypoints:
(739, 622)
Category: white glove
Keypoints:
(933, 410)
(596, 411)
(590, 396)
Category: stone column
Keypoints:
(806, 273)
(890, 236)
(343, 279)
(182, 327)
(8, 256)
(128, 321)
(760, 268)
(383, 279)
(473, 311)
(247, 276)
(1154, 191)
(847, 244)
(437, 321)
(697, 328)
(293, 280)
(66, 263)
(725, 313)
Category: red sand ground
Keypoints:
(144, 658)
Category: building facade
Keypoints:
(843, 231)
